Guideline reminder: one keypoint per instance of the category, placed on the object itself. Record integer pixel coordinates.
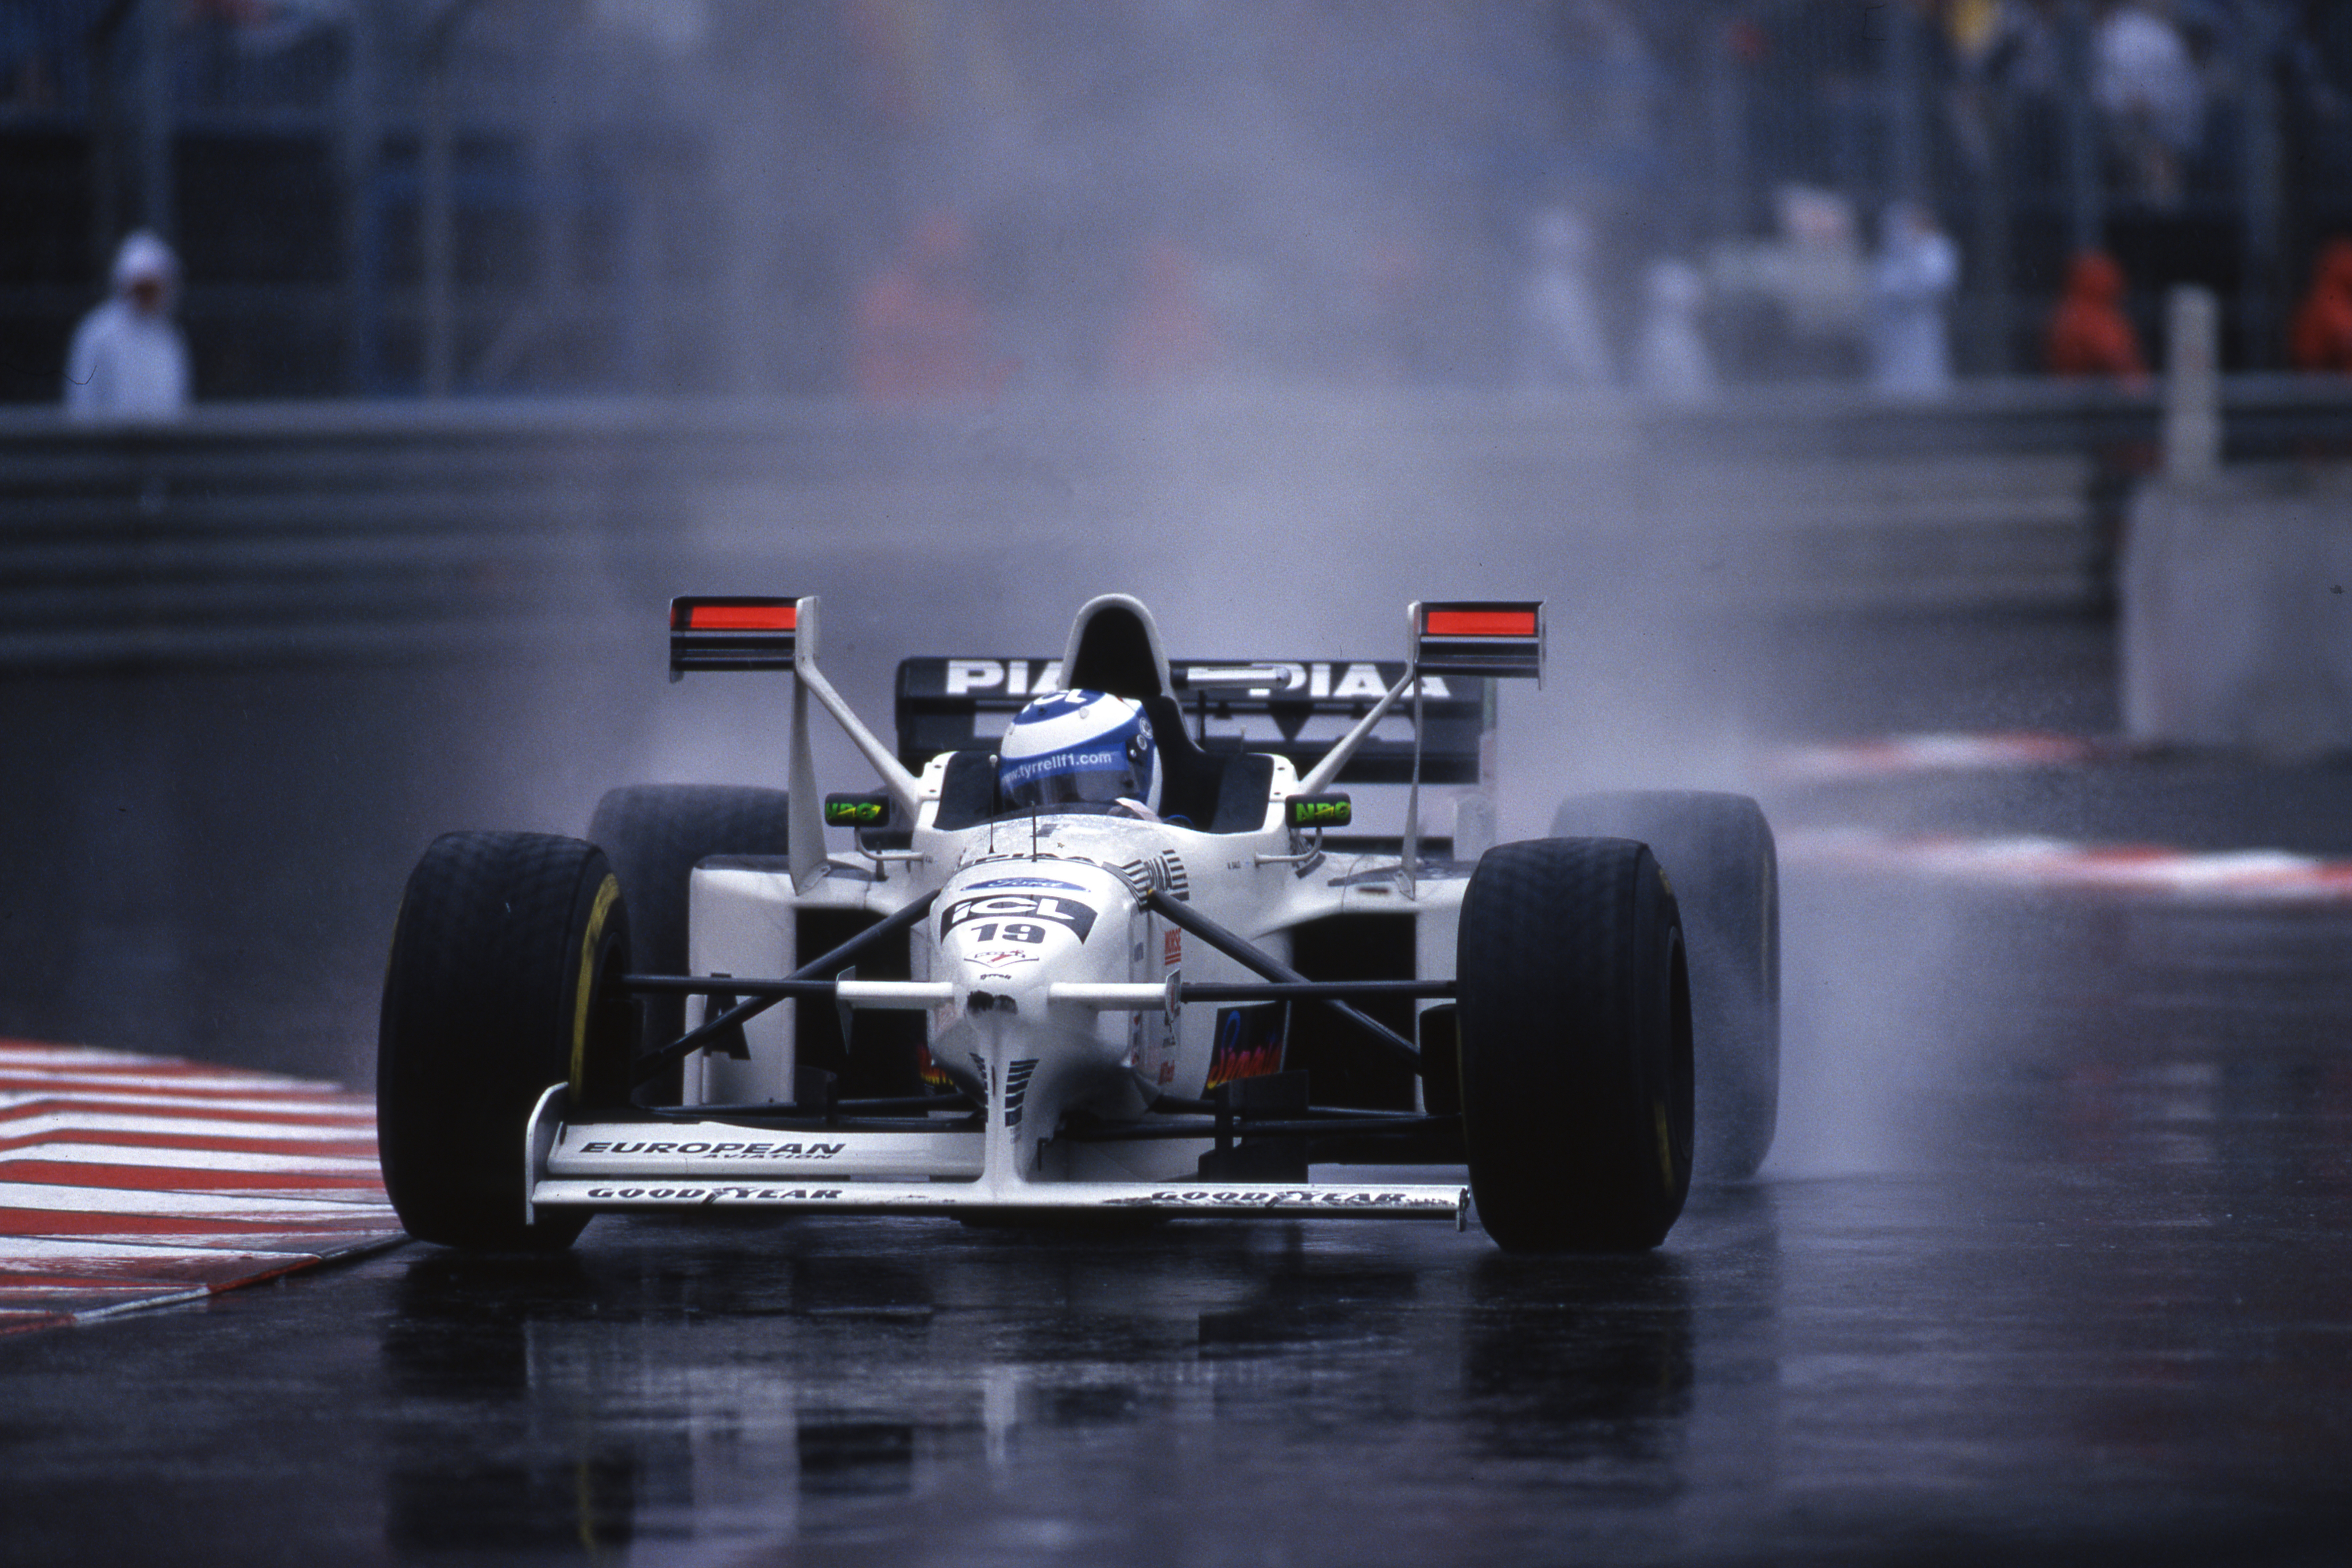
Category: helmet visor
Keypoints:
(1098, 775)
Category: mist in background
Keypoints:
(1187, 289)
(956, 315)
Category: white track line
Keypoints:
(21, 1254)
(1898, 755)
(341, 1130)
(13, 1104)
(2253, 876)
(193, 1159)
(51, 1199)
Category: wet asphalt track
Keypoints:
(2054, 1271)
(2050, 1264)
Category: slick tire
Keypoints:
(1719, 854)
(1576, 1046)
(497, 990)
(654, 835)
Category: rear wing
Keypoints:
(1300, 713)
(1335, 722)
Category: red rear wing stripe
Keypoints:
(1480, 624)
(741, 617)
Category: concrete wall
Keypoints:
(261, 532)
(2236, 625)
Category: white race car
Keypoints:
(1159, 976)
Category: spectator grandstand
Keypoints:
(395, 197)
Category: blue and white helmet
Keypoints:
(1079, 746)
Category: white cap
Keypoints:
(143, 257)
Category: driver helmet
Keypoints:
(1079, 746)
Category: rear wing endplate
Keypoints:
(1504, 641)
(733, 633)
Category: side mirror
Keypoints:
(860, 811)
(1316, 811)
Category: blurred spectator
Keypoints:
(2145, 84)
(920, 330)
(2089, 333)
(1979, 30)
(128, 361)
(1670, 359)
(2322, 339)
(1917, 269)
(1561, 343)
(2012, 43)
(1166, 336)
(1820, 282)
(1798, 303)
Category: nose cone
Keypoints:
(1012, 927)
(1006, 931)
(1012, 921)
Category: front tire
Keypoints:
(1576, 1046)
(1718, 853)
(498, 989)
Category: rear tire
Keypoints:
(1575, 1047)
(496, 991)
(654, 835)
(1718, 853)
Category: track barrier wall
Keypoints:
(268, 531)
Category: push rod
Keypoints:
(785, 1118)
(1314, 990)
(909, 1104)
(650, 1067)
(814, 978)
(1190, 990)
(1171, 1105)
(1150, 1131)
(724, 985)
(1186, 918)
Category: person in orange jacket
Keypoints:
(2322, 339)
(2089, 333)
(920, 330)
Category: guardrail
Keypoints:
(267, 532)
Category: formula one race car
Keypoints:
(1101, 946)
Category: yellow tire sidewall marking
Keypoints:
(607, 895)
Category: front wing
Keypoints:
(629, 1166)
(1363, 1200)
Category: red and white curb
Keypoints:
(2250, 876)
(1901, 756)
(130, 1182)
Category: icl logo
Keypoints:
(1007, 911)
